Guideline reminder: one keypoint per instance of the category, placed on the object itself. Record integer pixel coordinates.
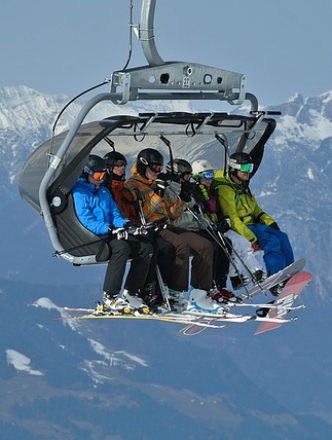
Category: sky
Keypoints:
(66, 46)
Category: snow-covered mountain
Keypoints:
(105, 380)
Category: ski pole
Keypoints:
(219, 239)
(162, 285)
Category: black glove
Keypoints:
(274, 225)
(161, 186)
(224, 225)
(187, 189)
(159, 225)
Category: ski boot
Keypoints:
(136, 302)
(259, 276)
(176, 301)
(201, 303)
(263, 311)
(99, 309)
(239, 281)
(223, 296)
(152, 297)
(116, 304)
(275, 290)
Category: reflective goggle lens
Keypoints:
(247, 167)
(99, 175)
(209, 174)
(156, 168)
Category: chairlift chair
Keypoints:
(51, 171)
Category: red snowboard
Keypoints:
(294, 286)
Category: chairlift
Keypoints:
(51, 171)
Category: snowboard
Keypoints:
(279, 308)
(274, 279)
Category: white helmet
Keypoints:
(201, 165)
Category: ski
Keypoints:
(270, 305)
(78, 309)
(185, 317)
(199, 321)
(193, 329)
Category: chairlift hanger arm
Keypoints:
(179, 80)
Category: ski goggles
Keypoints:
(156, 168)
(246, 167)
(98, 175)
(208, 174)
(243, 167)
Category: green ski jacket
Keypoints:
(239, 205)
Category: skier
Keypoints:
(243, 258)
(116, 175)
(128, 205)
(158, 203)
(180, 185)
(248, 219)
(97, 211)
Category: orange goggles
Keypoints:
(98, 175)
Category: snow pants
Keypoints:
(278, 252)
(140, 250)
(243, 256)
(185, 245)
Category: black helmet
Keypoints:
(113, 157)
(147, 158)
(240, 161)
(95, 164)
(179, 167)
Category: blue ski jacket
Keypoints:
(95, 207)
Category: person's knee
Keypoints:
(182, 248)
(165, 249)
(120, 247)
(204, 247)
(147, 250)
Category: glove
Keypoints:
(224, 225)
(274, 225)
(120, 233)
(137, 230)
(161, 186)
(255, 246)
(187, 189)
(160, 225)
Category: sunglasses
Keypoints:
(209, 174)
(99, 175)
(246, 167)
(156, 168)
